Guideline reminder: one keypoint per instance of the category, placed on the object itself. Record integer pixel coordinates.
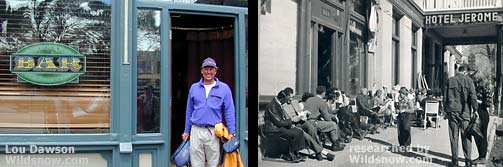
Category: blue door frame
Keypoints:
(114, 145)
(163, 139)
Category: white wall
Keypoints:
(383, 57)
(419, 47)
(405, 61)
(278, 48)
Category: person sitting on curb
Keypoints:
(299, 119)
(322, 119)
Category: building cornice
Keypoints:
(410, 9)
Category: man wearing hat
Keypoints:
(208, 101)
(460, 106)
(148, 110)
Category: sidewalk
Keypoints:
(430, 148)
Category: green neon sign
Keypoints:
(48, 64)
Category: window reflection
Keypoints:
(148, 71)
(80, 106)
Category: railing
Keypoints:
(435, 5)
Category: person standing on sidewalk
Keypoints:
(460, 106)
(481, 141)
(405, 108)
(208, 100)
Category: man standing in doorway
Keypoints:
(208, 100)
(460, 106)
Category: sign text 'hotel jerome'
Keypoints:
(48, 64)
(461, 18)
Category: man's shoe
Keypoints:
(337, 147)
(479, 161)
(319, 157)
(330, 157)
(468, 163)
(363, 134)
(290, 157)
(453, 164)
(300, 157)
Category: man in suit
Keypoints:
(277, 123)
(299, 119)
(321, 117)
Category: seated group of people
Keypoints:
(399, 105)
(327, 116)
(381, 106)
(306, 123)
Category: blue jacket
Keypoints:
(202, 111)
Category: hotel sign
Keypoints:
(48, 64)
(461, 18)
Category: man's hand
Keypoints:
(185, 136)
(231, 136)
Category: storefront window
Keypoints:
(148, 71)
(356, 59)
(47, 95)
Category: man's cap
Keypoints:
(148, 86)
(209, 62)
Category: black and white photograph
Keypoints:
(390, 83)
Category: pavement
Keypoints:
(429, 148)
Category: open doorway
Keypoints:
(194, 38)
(325, 56)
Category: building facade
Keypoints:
(105, 82)
(353, 44)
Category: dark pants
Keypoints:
(404, 138)
(456, 126)
(482, 141)
(311, 135)
(374, 118)
(295, 137)
(329, 127)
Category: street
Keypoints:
(429, 148)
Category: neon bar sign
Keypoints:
(48, 64)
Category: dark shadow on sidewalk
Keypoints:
(413, 154)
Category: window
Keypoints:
(148, 71)
(356, 59)
(396, 51)
(359, 6)
(414, 56)
(81, 105)
(145, 159)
